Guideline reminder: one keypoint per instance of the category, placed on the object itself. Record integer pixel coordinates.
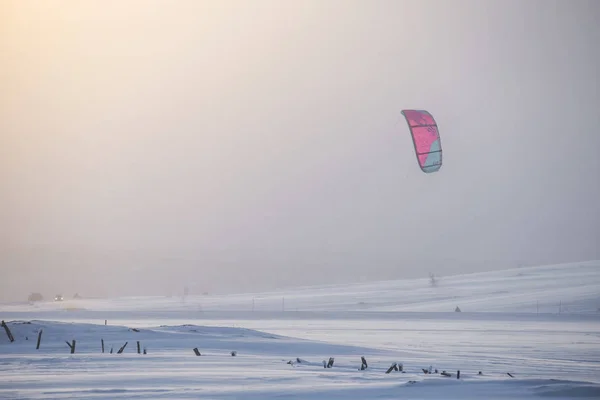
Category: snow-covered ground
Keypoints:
(541, 324)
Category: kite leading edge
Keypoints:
(426, 139)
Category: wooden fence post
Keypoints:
(8, 332)
(39, 341)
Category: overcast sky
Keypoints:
(247, 145)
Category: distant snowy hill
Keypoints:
(564, 288)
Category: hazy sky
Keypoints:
(248, 145)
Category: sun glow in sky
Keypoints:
(233, 145)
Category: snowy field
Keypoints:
(541, 325)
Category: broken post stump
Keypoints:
(102, 341)
(196, 351)
(145, 351)
(8, 332)
(122, 348)
(458, 374)
(39, 341)
(71, 345)
(138, 347)
(392, 367)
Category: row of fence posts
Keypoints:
(72, 345)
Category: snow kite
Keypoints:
(426, 139)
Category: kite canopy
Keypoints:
(426, 138)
